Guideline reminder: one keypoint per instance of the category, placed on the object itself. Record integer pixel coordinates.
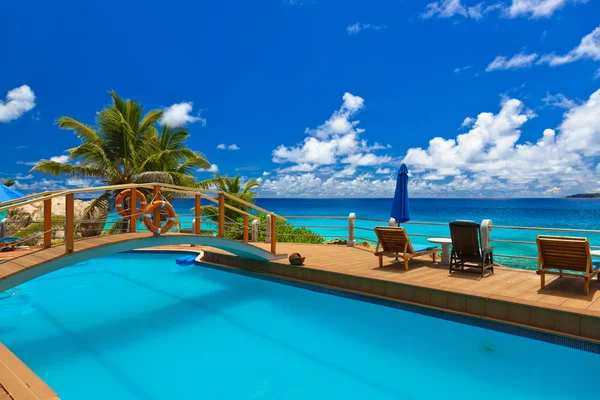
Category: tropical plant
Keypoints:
(32, 234)
(232, 185)
(8, 182)
(286, 232)
(126, 146)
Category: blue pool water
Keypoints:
(137, 326)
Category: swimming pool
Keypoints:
(138, 326)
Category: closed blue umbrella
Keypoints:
(7, 194)
(400, 208)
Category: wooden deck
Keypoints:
(17, 382)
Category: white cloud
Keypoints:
(27, 162)
(521, 60)
(82, 183)
(179, 115)
(588, 48)
(18, 102)
(359, 26)
(60, 159)
(329, 157)
(213, 168)
(467, 122)
(383, 171)
(458, 70)
(310, 184)
(367, 159)
(223, 146)
(345, 173)
(450, 8)
(489, 159)
(23, 177)
(559, 100)
(537, 8)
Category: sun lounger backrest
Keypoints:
(465, 239)
(568, 253)
(393, 239)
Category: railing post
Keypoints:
(69, 223)
(197, 219)
(47, 223)
(273, 234)
(221, 230)
(351, 219)
(245, 228)
(255, 225)
(393, 222)
(268, 229)
(132, 209)
(156, 217)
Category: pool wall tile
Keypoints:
(590, 327)
(439, 299)
(423, 295)
(541, 318)
(457, 302)
(567, 323)
(475, 305)
(517, 313)
(495, 309)
(406, 293)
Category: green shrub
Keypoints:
(286, 232)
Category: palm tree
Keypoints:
(8, 182)
(232, 185)
(126, 147)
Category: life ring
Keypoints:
(171, 217)
(125, 194)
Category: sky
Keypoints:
(321, 98)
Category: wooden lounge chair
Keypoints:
(560, 253)
(467, 250)
(395, 242)
(8, 244)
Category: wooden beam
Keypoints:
(47, 223)
(221, 231)
(198, 209)
(273, 234)
(156, 216)
(69, 223)
(132, 210)
(245, 229)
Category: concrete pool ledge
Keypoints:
(429, 288)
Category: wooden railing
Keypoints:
(157, 188)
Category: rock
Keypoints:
(364, 244)
(337, 241)
(24, 216)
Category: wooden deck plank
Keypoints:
(21, 382)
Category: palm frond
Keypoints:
(56, 168)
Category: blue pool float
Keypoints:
(187, 260)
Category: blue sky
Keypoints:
(322, 97)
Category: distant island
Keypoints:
(584, 196)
